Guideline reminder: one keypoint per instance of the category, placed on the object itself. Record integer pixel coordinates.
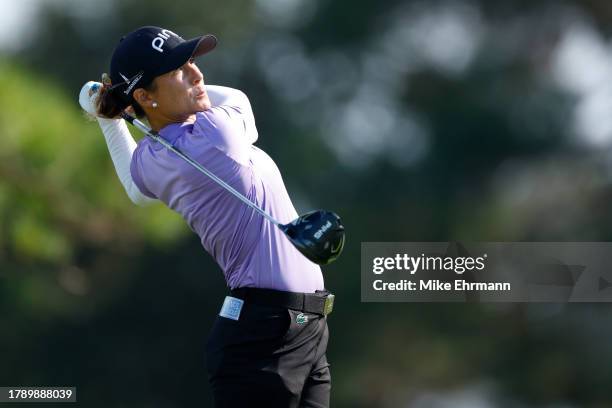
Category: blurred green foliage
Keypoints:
(61, 207)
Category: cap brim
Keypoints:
(204, 44)
(192, 48)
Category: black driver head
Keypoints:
(319, 235)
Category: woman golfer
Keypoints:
(267, 346)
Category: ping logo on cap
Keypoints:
(160, 39)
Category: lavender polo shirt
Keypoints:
(249, 249)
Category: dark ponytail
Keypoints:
(110, 105)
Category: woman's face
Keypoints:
(178, 95)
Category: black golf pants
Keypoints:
(271, 357)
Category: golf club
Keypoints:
(318, 235)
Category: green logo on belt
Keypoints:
(301, 319)
(329, 304)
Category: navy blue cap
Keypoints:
(149, 52)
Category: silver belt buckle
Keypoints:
(329, 304)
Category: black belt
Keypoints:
(321, 302)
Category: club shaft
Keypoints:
(155, 136)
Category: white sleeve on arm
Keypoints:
(222, 95)
(121, 146)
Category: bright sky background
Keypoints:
(18, 19)
(14, 21)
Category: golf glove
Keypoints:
(88, 97)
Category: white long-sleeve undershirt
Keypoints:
(121, 144)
